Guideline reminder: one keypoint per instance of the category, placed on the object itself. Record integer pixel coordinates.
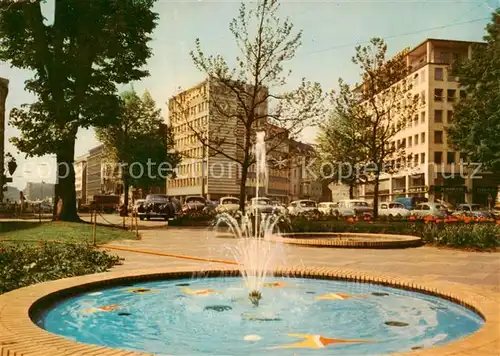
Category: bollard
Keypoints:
(94, 230)
(136, 227)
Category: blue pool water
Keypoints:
(299, 316)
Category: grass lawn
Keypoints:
(60, 231)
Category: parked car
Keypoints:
(259, 205)
(410, 203)
(327, 208)
(228, 204)
(429, 209)
(278, 207)
(156, 206)
(353, 208)
(393, 210)
(473, 210)
(194, 203)
(301, 207)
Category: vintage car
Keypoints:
(393, 210)
(260, 205)
(423, 210)
(473, 210)
(303, 207)
(353, 208)
(156, 206)
(228, 205)
(327, 208)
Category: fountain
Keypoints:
(254, 252)
(172, 312)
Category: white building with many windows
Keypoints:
(435, 170)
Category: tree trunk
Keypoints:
(243, 183)
(65, 186)
(351, 191)
(126, 186)
(375, 194)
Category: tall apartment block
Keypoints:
(436, 172)
(81, 179)
(206, 173)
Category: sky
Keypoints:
(331, 30)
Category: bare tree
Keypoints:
(249, 97)
(381, 108)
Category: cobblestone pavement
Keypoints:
(471, 268)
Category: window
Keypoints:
(438, 94)
(422, 158)
(383, 206)
(409, 141)
(416, 139)
(451, 77)
(422, 117)
(438, 136)
(438, 157)
(415, 159)
(449, 117)
(463, 94)
(450, 157)
(422, 137)
(422, 97)
(451, 94)
(438, 115)
(426, 207)
(438, 73)
(415, 120)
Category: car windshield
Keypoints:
(261, 202)
(476, 207)
(230, 201)
(358, 203)
(438, 206)
(307, 204)
(195, 200)
(396, 206)
(157, 197)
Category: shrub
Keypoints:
(23, 265)
(480, 236)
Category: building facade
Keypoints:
(98, 174)
(81, 179)
(39, 191)
(433, 168)
(192, 116)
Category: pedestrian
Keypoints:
(59, 208)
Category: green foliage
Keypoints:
(339, 151)
(76, 63)
(476, 127)
(247, 97)
(139, 136)
(478, 236)
(377, 110)
(23, 265)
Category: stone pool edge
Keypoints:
(334, 240)
(20, 336)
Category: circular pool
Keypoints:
(212, 316)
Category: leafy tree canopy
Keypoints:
(476, 127)
(76, 63)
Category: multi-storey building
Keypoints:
(192, 114)
(434, 168)
(81, 179)
(39, 191)
(99, 175)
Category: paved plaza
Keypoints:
(481, 269)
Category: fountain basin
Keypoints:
(349, 240)
(20, 334)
